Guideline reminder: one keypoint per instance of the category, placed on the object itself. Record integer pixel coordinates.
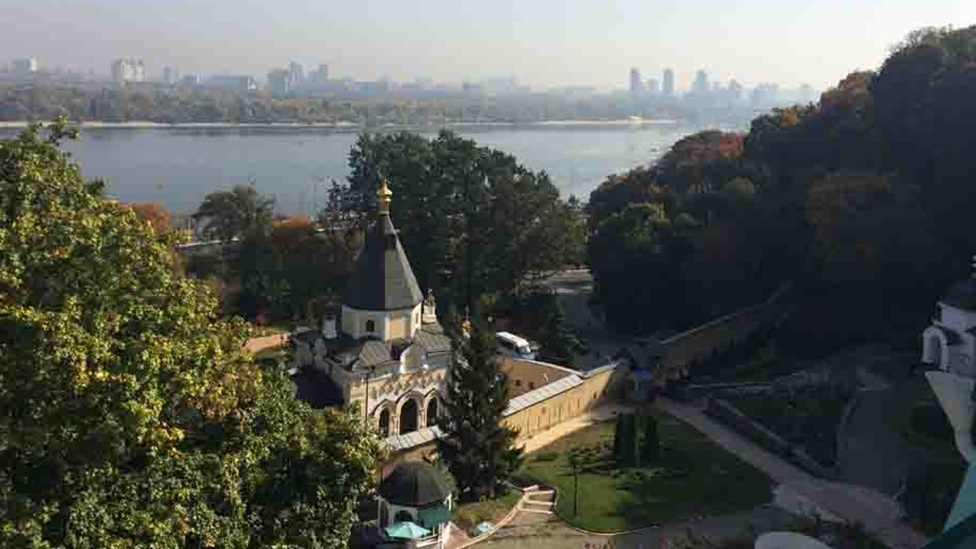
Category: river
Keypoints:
(178, 166)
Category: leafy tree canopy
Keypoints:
(473, 220)
(129, 414)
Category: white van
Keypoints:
(514, 346)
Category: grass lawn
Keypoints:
(694, 477)
(468, 515)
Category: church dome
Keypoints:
(962, 295)
(415, 484)
(382, 279)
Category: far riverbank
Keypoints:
(350, 126)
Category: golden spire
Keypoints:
(383, 198)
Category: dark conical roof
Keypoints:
(415, 484)
(383, 279)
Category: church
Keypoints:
(950, 342)
(385, 350)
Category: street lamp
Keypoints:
(576, 463)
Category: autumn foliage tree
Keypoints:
(155, 214)
(863, 199)
(130, 416)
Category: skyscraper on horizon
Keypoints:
(128, 70)
(25, 67)
(700, 86)
(296, 75)
(667, 85)
(653, 86)
(636, 84)
(170, 75)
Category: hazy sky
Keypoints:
(541, 42)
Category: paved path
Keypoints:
(598, 414)
(879, 514)
(542, 531)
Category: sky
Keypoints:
(543, 43)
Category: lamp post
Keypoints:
(575, 462)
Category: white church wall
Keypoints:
(956, 319)
(387, 325)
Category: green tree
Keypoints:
(478, 449)
(650, 444)
(239, 212)
(130, 415)
(625, 442)
(473, 220)
(559, 344)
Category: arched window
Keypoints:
(385, 423)
(370, 326)
(432, 410)
(408, 417)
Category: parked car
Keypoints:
(512, 345)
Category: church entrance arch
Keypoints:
(385, 422)
(408, 416)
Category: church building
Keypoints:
(950, 342)
(385, 350)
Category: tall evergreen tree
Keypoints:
(479, 451)
(650, 444)
(559, 344)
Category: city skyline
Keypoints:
(546, 44)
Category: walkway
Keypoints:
(534, 530)
(880, 515)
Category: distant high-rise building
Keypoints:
(279, 82)
(170, 75)
(128, 70)
(667, 84)
(322, 74)
(636, 84)
(716, 87)
(25, 67)
(735, 90)
(296, 74)
(700, 85)
(654, 86)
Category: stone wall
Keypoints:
(256, 344)
(528, 375)
(682, 350)
(594, 387)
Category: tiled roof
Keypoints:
(373, 353)
(396, 443)
(433, 342)
(535, 396)
(600, 369)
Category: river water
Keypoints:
(178, 166)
